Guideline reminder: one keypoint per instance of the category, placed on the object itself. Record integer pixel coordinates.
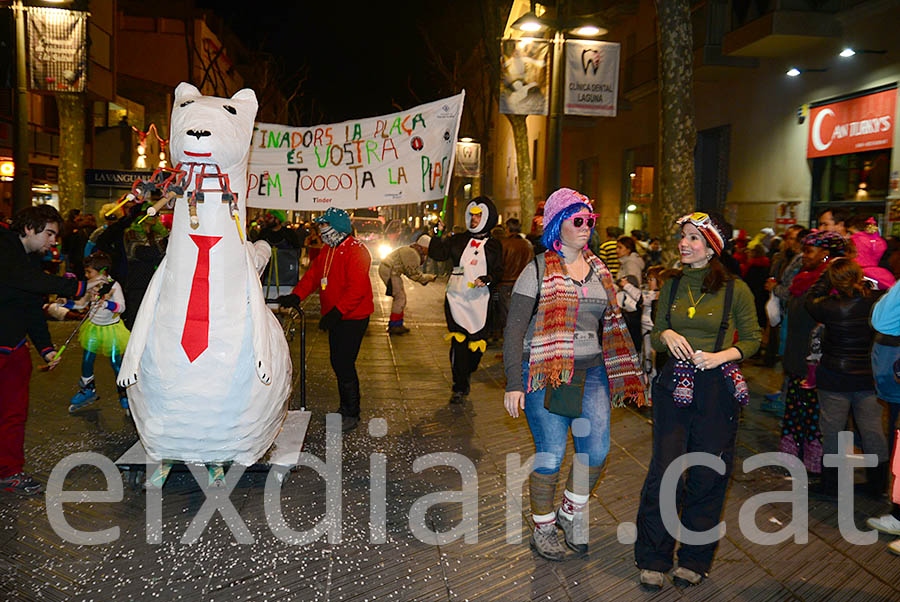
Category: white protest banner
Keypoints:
(592, 78)
(404, 157)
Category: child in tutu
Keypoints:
(103, 332)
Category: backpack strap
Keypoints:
(672, 293)
(537, 296)
(726, 314)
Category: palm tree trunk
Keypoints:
(71, 151)
(677, 134)
(523, 169)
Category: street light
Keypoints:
(794, 72)
(848, 52)
(579, 26)
(22, 180)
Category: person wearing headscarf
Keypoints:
(565, 333)
(696, 397)
(800, 435)
(478, 268)
(340, 274)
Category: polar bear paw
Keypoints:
(262, 371)
(127, 378)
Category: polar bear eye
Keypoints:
(230, 109)
(185, 103)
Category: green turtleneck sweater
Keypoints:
(702, 330)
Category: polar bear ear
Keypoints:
(186, 90)
(246, 95)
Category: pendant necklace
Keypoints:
(329, 257)
(693, 308)
(582, 283)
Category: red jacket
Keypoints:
(347, 286)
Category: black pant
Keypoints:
(344, 340)
(708, 424)
(463, 362)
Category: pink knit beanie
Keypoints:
(561, 199)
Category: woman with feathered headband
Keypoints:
(696, 397)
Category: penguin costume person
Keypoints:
(477, 268)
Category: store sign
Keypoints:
(856, 125)
(113, 178)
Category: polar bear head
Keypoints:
(209, 129)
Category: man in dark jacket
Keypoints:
(22, 283)
(517, 252)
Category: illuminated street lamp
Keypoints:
(559, 27)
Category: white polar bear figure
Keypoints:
(208, 368)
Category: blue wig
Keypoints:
(551, 230)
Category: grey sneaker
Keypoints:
(686, 577)
(652, 580)
(575, 531)
(545, 541)
(885, 524)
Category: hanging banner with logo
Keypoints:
(404, 157)
(57, 49)
(524, 76)
(592, 78)
(468, 159)
(855, 125)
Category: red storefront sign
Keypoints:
(856, 125)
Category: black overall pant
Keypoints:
(709, 424)
(463, 362)
(344, 340)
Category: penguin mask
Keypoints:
(484, 207)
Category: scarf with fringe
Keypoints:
(552, 359)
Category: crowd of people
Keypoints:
(587, 323)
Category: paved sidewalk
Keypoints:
(406, 381)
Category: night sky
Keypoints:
(362, 58)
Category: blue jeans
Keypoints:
(590, 431)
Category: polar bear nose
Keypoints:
(198, 133)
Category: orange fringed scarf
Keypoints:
(552, 358)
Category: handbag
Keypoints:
(773, 310)
(565, 400)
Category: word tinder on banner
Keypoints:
(404, 157)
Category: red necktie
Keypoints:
(195, 337)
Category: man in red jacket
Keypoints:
(341, 276)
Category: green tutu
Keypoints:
(105, 340)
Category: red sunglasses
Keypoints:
(578, 220)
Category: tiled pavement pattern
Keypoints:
(405, 380)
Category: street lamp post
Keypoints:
(554, 133)
(22, 178)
